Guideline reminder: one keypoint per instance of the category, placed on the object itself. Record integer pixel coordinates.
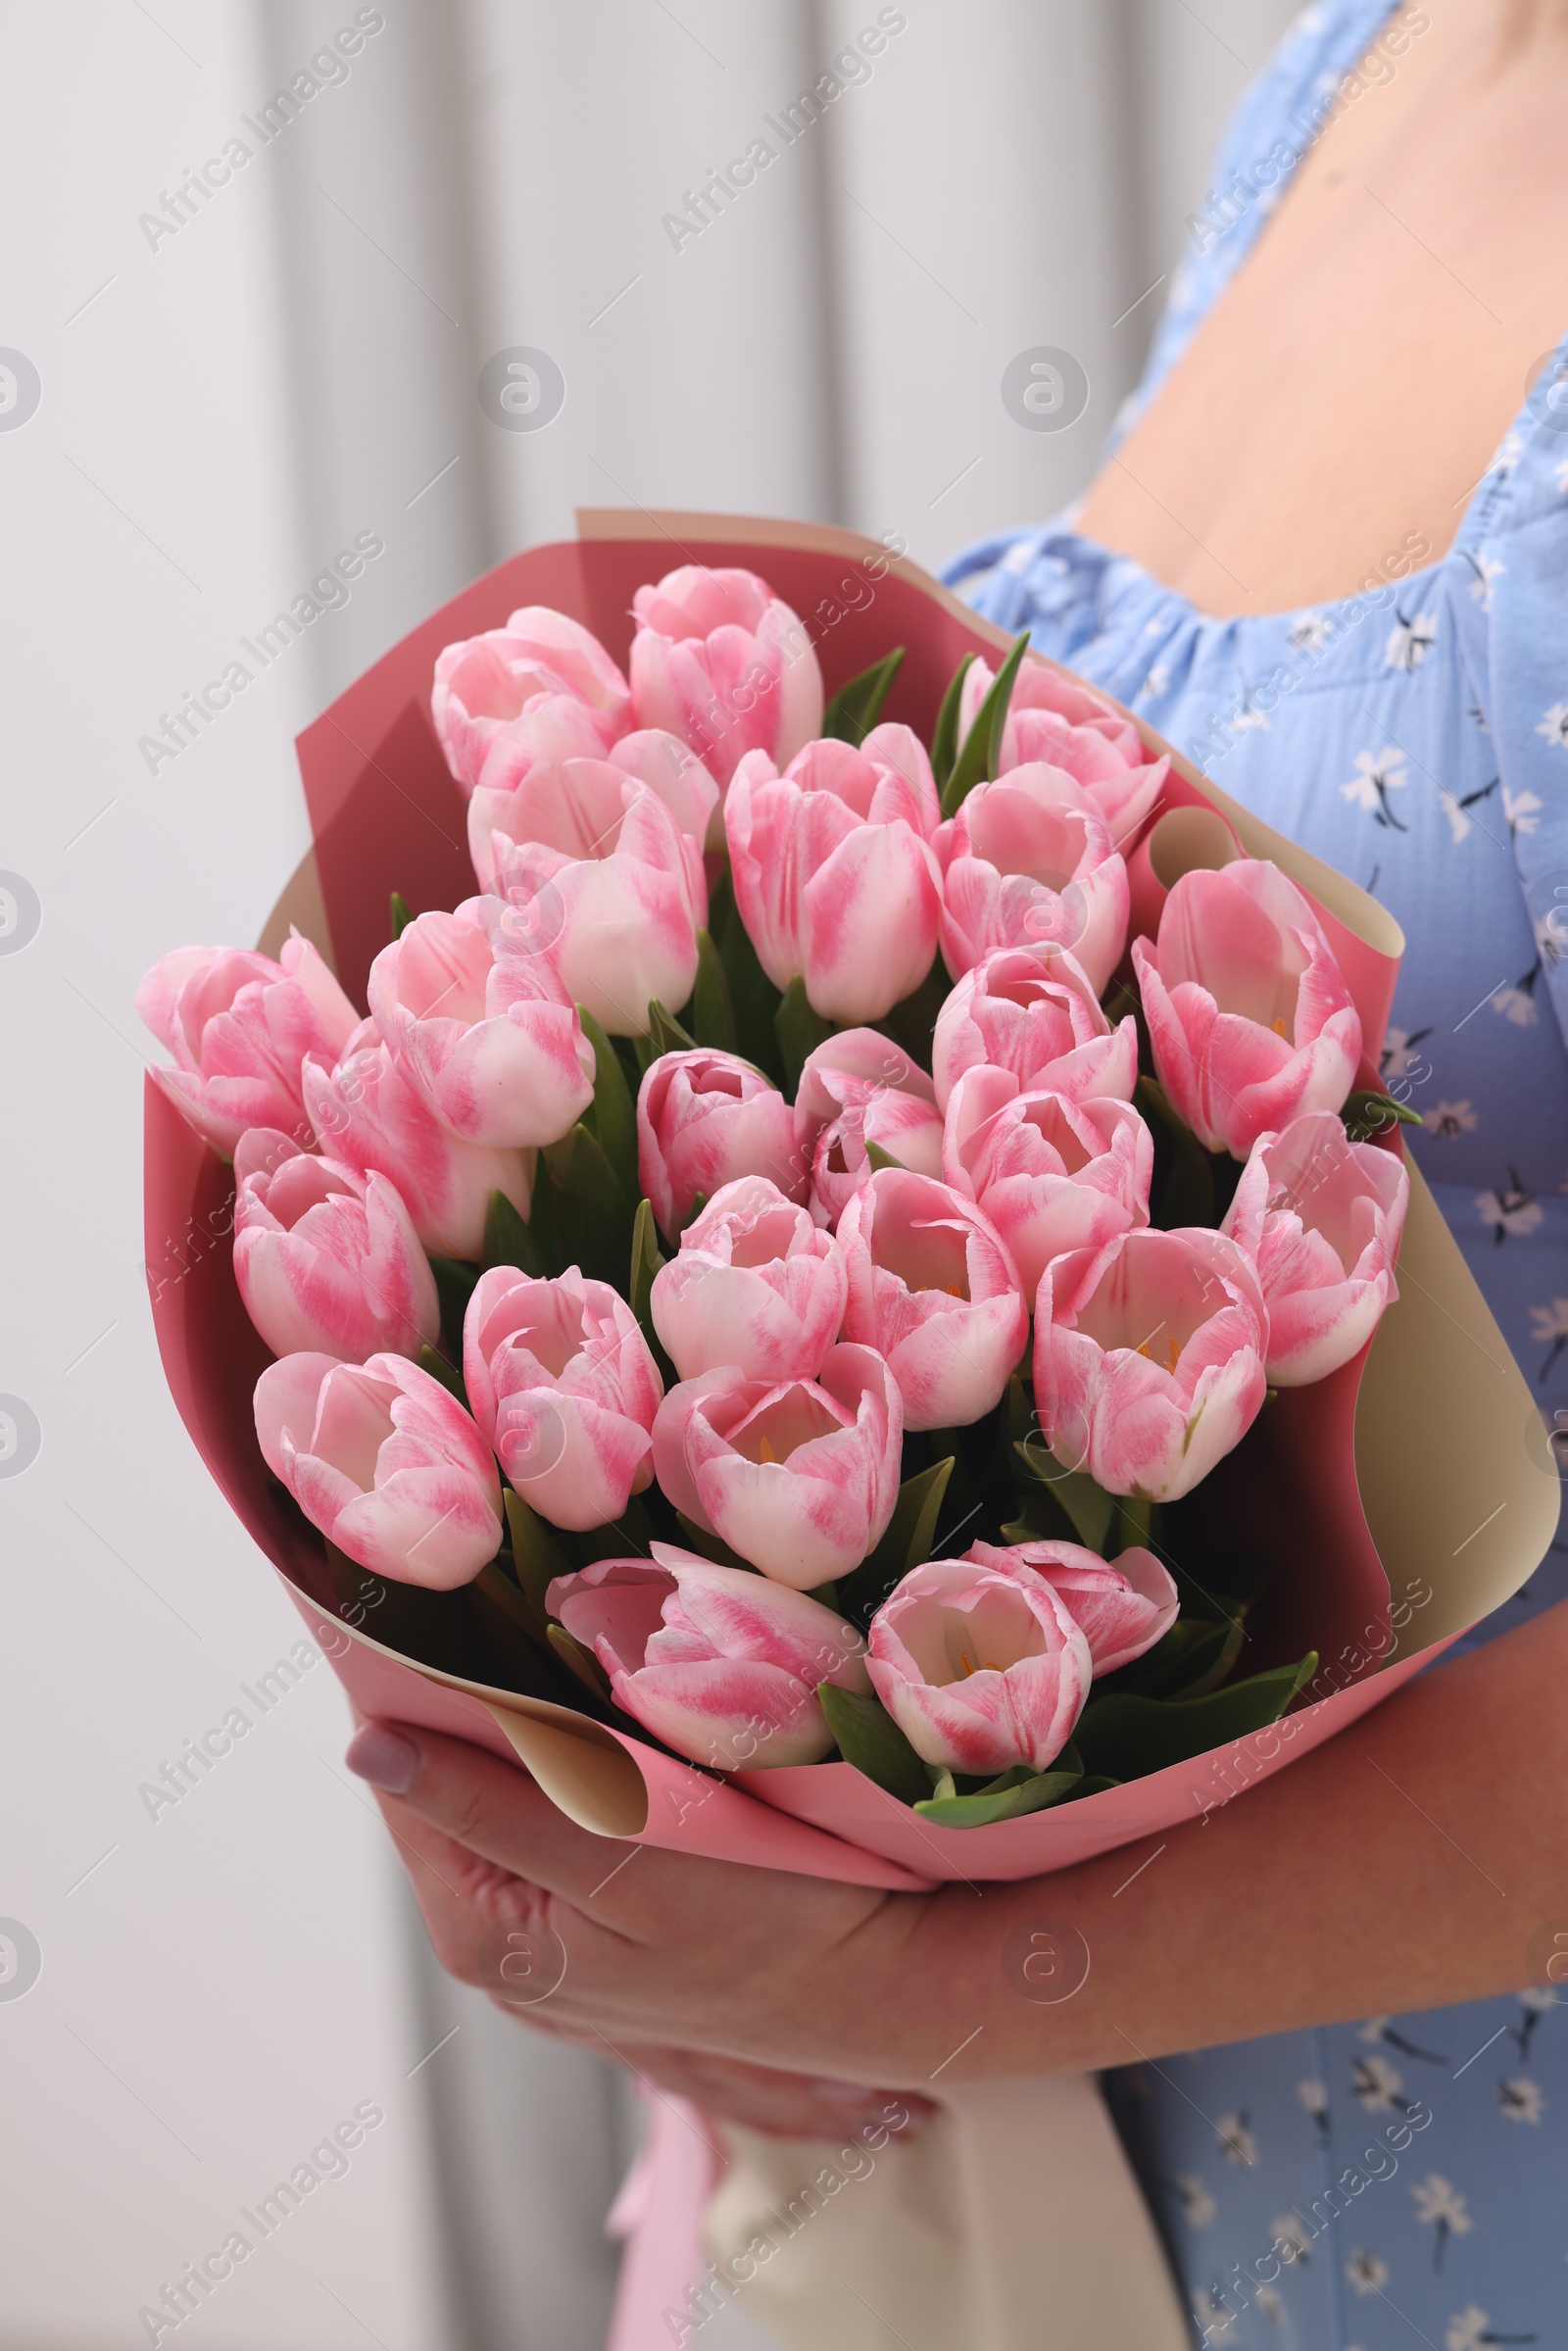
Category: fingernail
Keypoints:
(384, 1757)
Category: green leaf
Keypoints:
(753, 997)
(612, 1116)
(907, 1543)
(1005, 1800)
(877, 1157)
(869, 1738)
(402, 915)
(1189, 1661)
(1088, 1509)
(857, 706)
(646, 1260)
(1130, 1736)
(1369, 1111)
(976, 761)
(666, 1033)
(508, 1240)
(1181, 1190)
(454, 1280)
(593, 1213)
(800, 1031)
(536, 1560)
(450, 1377)
(713, 1012)
(582, 1662)
(912, 1021)
(945, 740)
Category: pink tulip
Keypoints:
(834, 877)
(1051, 1174)
(719, 660)
(563, 1385)
(604, 886)
(239, 1027)
(385, 1462)
(704, 1118)
(1055, 718)
(326, 1260)
(486, 684)
(369, 1116)
(934, 1288)
(1027, 861)
(1033, 1010)
(1321, 1217)
(754, 1284)
(1249, 1014)
(1149, 1358)
(857, 1089)
(980, 1671)
(1121, 1606)
(800, 1477)
(721, 1665)
(491, 1043)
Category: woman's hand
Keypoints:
(670, 1962)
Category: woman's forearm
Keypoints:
(1415, 1860)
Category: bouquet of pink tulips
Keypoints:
(799, 1264)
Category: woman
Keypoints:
(1328, 592)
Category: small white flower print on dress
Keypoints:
(1366, 2273)
(1555, 725)
(1290, 2232)
(1439, 2206)
(1197, 2205)
(1510, 1213)
(1310, 632)
(1548, 1327)
(1377, 2085)
(1236, 2140)
(1487, 568)
(1520, 811)
(1450, 1120)
(1410, 639)
(1471, 2329)
(1377, 774)
(1521, 2100)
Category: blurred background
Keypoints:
(464, 279)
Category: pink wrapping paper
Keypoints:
(386, 816)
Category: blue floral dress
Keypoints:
(1417, 738)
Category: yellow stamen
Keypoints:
(1279, 1028)
(953, 1290)
(765, 1452)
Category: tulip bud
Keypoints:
(798, 1478)
(754, 1284)
(488, 685)
(1322, 1218)
(1054, 717)
(704, 1118)
(719, 660)
(721, 1665)
(1121, 1606)
(490, 1043)
(326, 1260)
(385, 1462)
(369, 1116)
(1149, 1358)
(1033, 1010)
(857, 1089)
(934, 1288)
(1249, 1014)
(981, 1672)
(239, 1027)
(1027, 861)
(1050, 1174)
(834, 877)
(563, 1385)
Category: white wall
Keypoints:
(223, 1983)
